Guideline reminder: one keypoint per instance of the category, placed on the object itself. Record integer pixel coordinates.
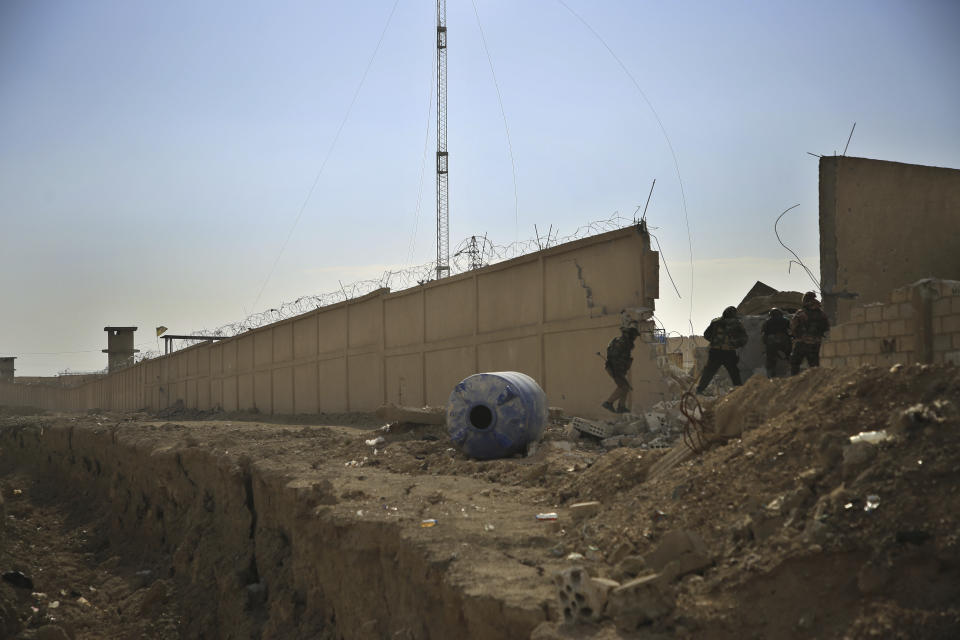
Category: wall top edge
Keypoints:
(836, 160)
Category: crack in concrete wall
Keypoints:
(583, 283)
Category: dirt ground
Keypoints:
(795, 530)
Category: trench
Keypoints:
(259, 552)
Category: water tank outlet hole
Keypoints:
(481, 417)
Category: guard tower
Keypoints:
(119, 347)
(6, 368)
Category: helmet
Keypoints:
(730, 312)
(775, 313)
(809, 296)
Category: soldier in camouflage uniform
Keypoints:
(726, 334)
(808, 327)
(617, 364)
(776, 340)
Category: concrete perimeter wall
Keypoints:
(884, 225)
(918, 323)
(545, 314)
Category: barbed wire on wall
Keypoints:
(472, 253)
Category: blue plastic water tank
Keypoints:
(496, 415)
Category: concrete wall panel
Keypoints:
(884, 225)
(263, 391)
(509, 297)
(203, 359)
(333, 385)
(332, 330)
(451, 310)
(192, 364)
(573, 366)
(595, 280)
(179, 394)
(305, 337)
(364, 377)
(405, 380)
(245, 398)
(404, 316)
(445, 369)
(228, 357)
(216, 393)
(203, 394)
(306, 393)
(283, 342)
(245, 354)
(262, 348)
(366, 323)
(521, 355)
(229, 390)
(283, 391)
(191, 396)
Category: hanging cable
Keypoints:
(664, 260)
(326, 158)
(798, 260)
(503, 113)
(423, 166)
(663, 130)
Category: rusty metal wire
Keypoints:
(695, 432)
(468, 255)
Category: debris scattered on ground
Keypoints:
(828, 509)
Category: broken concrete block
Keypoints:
(580, 597)
(683, 551)
(555, 413)
(630, 427)
(591, 427)
(583, 510)
(611, 443)
(656, 421)
(640, 601)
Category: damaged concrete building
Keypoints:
(889, 261)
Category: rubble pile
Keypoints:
(829, 510)
(659, 428)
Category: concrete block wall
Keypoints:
(917, 323)
(884, 225)
(546, 314)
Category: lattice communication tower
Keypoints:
(443, 210)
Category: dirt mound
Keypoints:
(811, 535)
(830, 510)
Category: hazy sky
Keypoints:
(154, 155)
